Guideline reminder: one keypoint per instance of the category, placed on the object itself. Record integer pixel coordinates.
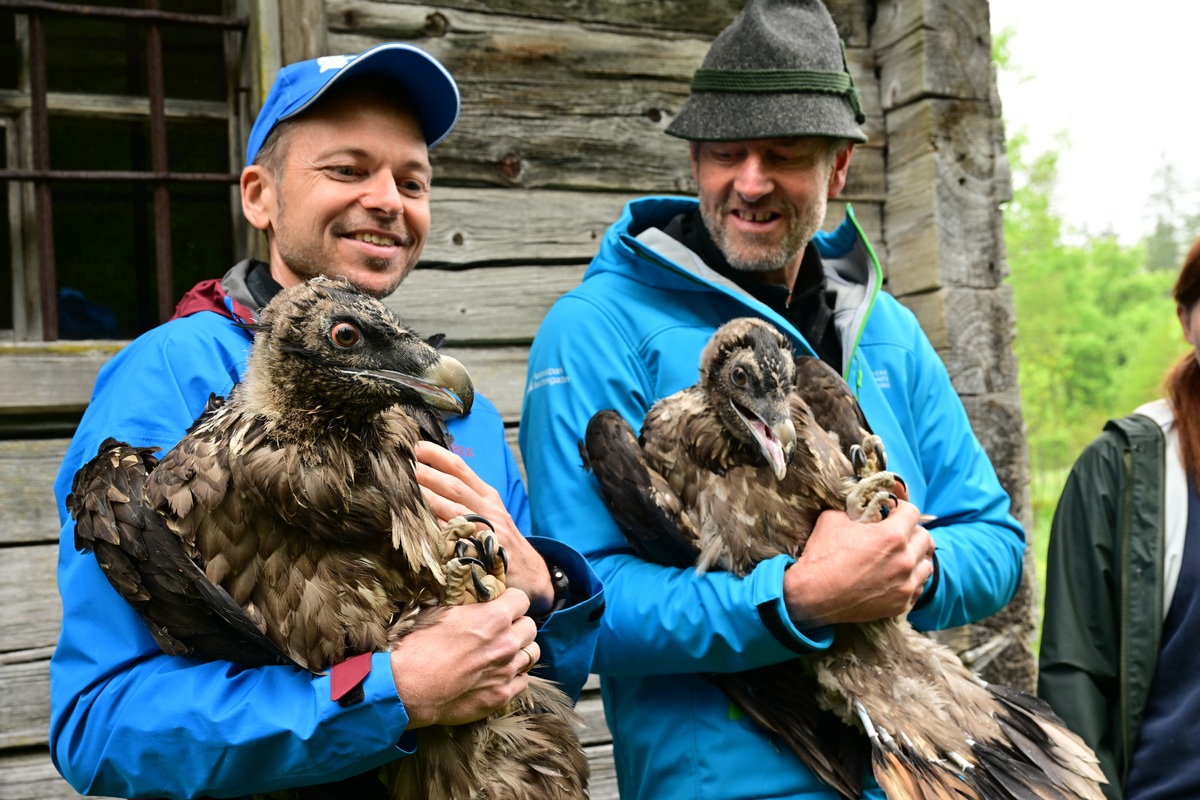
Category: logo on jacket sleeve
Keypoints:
(547, 377)
(882, 379)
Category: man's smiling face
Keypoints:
(763, 199)
(350, 197)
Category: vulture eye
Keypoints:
(739, 377)
(345, 335)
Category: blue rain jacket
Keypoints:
(632, 333)
(127, 720)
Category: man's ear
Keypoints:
(839, 170)
(258, 196)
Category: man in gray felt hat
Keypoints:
(772, 122)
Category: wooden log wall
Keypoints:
(564, 107)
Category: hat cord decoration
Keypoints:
(779, 80)
(773, 81)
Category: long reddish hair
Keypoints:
(1183, 381)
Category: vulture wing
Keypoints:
(833, 405)
(645, 508)
(150, 566)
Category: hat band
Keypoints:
(775, 81)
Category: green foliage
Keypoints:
(1096, 329)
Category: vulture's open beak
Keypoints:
(776, 439)
(446, 385)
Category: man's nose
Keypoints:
(753, 181)
(382, 195)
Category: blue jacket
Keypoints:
(632, 333)
(128, 721)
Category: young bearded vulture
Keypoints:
(241, 541)
(735, 470)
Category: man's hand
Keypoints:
(472, 661)
(859, 571)
(452, 488)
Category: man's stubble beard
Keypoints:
(799, 232)
(309, 262)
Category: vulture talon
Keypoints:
(480, 520)
(858, 460)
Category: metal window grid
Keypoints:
(41, 175)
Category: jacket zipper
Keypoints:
(1123, 657)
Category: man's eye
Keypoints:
(345, 335)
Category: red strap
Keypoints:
(346, 676)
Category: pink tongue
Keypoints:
(774, 448)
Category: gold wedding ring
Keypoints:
(528, 666)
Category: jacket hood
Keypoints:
(229, 296)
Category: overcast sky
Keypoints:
(1122, 81)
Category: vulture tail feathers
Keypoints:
(777, 698)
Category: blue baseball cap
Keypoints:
(432, 89)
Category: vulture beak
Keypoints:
(777, 441)
(446, 385)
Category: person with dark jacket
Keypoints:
(1122, 612)
(338, 176)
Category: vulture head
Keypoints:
(327, 349)
(746, 372)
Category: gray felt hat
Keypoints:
(778, 70)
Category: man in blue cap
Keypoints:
(771, 122)
(338, 177)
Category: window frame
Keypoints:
(24, 116)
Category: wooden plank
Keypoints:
(29, 774)
(113, 106)
(603, 784)
(476, 225)
(29, 597)
(941, 220)
(32, 380)
(481, 305)
(932, 48)
(302, 30)
(24, 712)
(994, 417)
(972, 330)
(28, 468)
(670, 16)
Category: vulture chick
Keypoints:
(735, 470)
(242, 541)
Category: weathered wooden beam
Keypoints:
(25, 704)
(941, 218)
(29, 774)
(27, 509)
(666, 16)
(302, 30)
(29, 594)
(932, 48)
(972, 330)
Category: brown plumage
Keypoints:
(239, 544)
(735, 470)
